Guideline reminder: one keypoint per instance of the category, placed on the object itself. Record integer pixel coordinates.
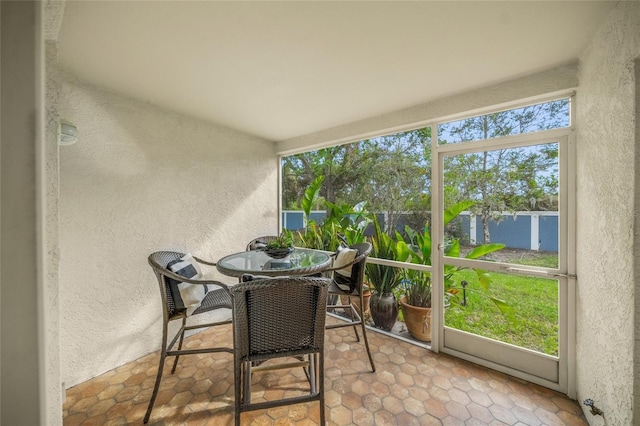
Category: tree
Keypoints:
(340, 165)
(392, 173)
(505, 179)
(401, 179)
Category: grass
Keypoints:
(534, 304)
(533, 323)
(544, 260)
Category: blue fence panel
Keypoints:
(292, 220)
(510, 231)
(548, 233)
(465, 227)
(513, 232)
(318, 216)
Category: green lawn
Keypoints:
(534, 303)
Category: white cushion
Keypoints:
(191, 295)
(344, 256)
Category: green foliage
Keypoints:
(453, 211)
(533, 323)
(417, 249)
(538, 259)
(352, 220)
(347, 223)
(484, 279)
(343, 223)
(310, 199)
(384, 279)
(511, 179)
(284, 240)
(417, 289)
(400, 180)
(390, 172)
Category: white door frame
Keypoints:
(552, 372)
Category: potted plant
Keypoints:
(366, 296)
(280, 247)
(416, 301)
(416, 306)
(384, 279)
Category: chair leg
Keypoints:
(247, 383)
(156, 387)
(366, 344)
(238, 380)
(320, 379)
(353, 314)
(175, 361)
(351, 311)
(312, 373)
(332, 299)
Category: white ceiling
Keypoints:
(280, 70)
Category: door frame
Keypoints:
(558, 371)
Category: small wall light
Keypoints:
(68, 134)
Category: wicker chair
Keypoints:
(356, 282)
(275, 319)
(217, 298)
(260, 242)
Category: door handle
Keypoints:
(550, 274)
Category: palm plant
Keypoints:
(417, 249)
(344, 223)
(416, 303)
(384, 279)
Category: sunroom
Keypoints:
(183, 112)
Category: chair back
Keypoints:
(159, 261)
(347, 286)
(357, 265)
(216, 298)
(279, 317)
(358, 268)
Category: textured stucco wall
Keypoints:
(636, 255)
(142, 179)
(606, 197)
(50, 305)
(52, 12)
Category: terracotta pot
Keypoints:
(417, 320)
(356, 302)
(384, 310)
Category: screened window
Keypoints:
(532, 118)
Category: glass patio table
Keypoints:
(301, 261)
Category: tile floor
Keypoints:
(412, 386)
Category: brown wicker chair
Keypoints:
(217, 298)
(260, 242)
(274, 319)
(356, 282)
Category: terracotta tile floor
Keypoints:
(412, 386)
